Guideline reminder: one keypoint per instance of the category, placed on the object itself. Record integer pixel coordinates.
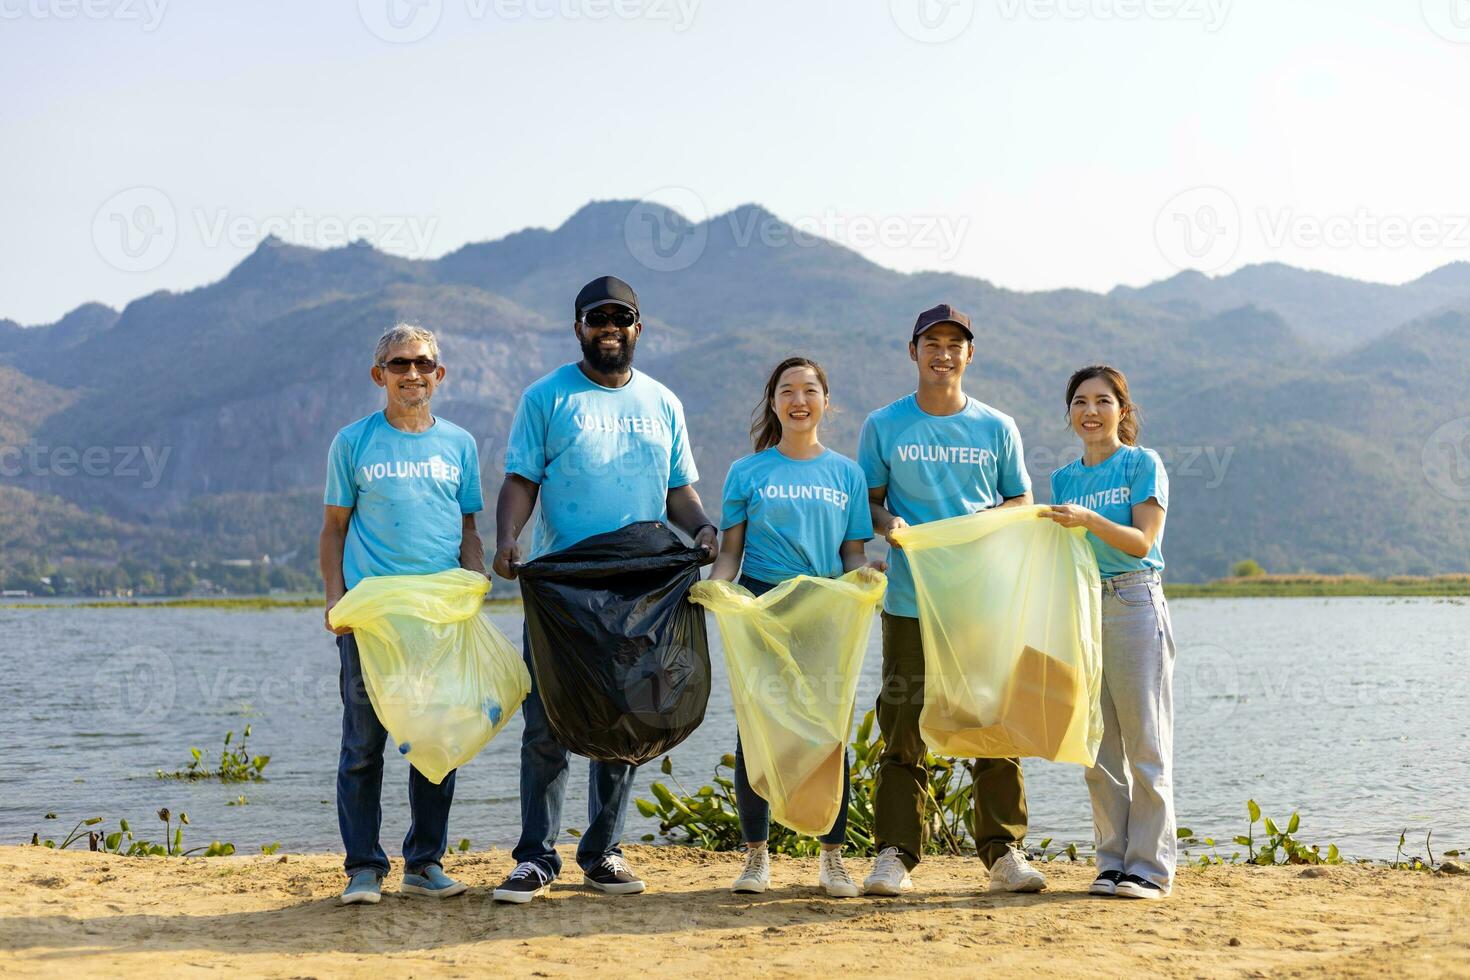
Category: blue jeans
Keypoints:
(755, 812)
(360, 784)
(544, 786)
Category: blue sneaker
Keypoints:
(433, 883)
(364, 888)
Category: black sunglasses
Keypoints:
(619, 318)
(400, 365)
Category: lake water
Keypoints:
(1354, 711)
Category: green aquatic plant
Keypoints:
(709, 817)
(76, 834)
(124, 843)
(236, 764)
(1280, 846)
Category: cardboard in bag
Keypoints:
(1040, 704)
(817, 799)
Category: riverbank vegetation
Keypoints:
(708, 818)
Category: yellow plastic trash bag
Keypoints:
(794, 656)
(1010, 612)
(442, 679)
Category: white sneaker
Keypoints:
(889, 876)
(755, 877)
(834, 879)
(1012, 873)
(1136, 886)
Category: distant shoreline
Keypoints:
(1287, 586)
(1255, 587)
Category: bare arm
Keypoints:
(329, 547)
(686, 512)
(854, 556)
(512, 510)
(471, 548)
(883, 522)
(1024, 500)
(732, 549)
(1137, 540)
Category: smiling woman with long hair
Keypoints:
(793, 507)
(1119, 492)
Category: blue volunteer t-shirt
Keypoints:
(1129, 476)
(408, 492)
(797, 512)
(938, 466)
(603, 457)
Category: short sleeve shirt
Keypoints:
(408, 492)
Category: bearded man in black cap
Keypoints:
(601, 446)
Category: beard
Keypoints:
(609, 362)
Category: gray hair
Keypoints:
(404, 333)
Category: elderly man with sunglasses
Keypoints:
(601, 446)
(403, 488)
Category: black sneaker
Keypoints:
(526, 882)
(1106, 883)
(612, 875)
(1132, 886)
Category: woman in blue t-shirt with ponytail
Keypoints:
(1119, 492)
(793, 507)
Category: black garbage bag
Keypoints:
(620, 655)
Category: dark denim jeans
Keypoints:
(755, 812)
(360, 784)
(544, 786)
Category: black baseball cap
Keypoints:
(943, 313)
(604, 290)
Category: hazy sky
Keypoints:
(148, 144)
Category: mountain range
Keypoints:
(1303, 416)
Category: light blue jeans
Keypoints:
(1132, 786)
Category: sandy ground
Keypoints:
(75, 913)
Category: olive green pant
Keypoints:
(903, 782)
